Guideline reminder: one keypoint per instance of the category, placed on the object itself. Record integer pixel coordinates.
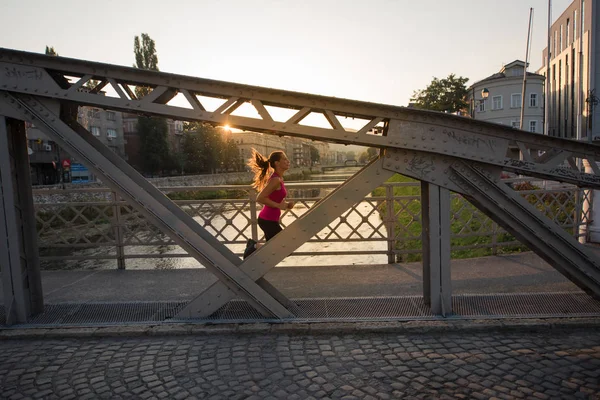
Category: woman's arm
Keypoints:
(263, 196)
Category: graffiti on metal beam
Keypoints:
(34, 74)
(420, 165)
(511, 162)
(471, 141)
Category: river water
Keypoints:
(219, 221)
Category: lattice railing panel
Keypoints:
(137, 231)
(78, 226)
(75, 224)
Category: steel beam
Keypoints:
(19, 260)
(411, 129)
(148, 200)
(441, 149)
(437, 287)
(481, 185)
(296, 234)
(511, 211)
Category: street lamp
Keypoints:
(484, 95)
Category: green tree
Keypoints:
(50, 51)
(446, 95)
(145, 58)
(315, 157)
(204, 148)
(91, 84)
(372, 152)
(231, 156)
(363, 158)
(154, 149)
(153, 144)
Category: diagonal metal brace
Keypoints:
(296, 234)
(511, 211)
(149, 201)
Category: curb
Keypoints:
(316, 328)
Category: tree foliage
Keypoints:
(368, 155)
(144, 51)
(154, 149)
(231, 156)
(50, 51)
(445, 95)
(372, 152)
(204, 148)
(315, 157)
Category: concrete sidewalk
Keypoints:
(519, 273)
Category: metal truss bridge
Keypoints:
(445, 152)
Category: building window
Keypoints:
(110, 116)
(95, 130)
(111, 133)
(568, 32)
(574, 25)
(481, 106)
(561, 38)
(515, 100)
(533, 126)
(515, 124)
(533, 100)
(497, 103)
(555, 40)
(129, 126)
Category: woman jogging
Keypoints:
(271, 194)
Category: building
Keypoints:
(47, 160)
(574, 71)
(297, 149)
(133, 143)
(504, 90)
(107, 126)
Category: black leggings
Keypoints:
(270, 228)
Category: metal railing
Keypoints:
(77, 227)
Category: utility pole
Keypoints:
(547, 84)
(525, 69)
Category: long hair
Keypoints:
(261, 165)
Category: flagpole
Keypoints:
(547, 99)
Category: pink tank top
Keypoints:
(269, 213)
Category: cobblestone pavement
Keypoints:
(556, 364)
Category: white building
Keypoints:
(574, 71)
(504, 96)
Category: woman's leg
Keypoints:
(269, 228)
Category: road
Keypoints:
(548, 365)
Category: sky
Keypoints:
(377, 50)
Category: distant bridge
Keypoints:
(347, 164)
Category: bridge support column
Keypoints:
(437, 287)
(19, 259)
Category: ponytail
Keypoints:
(260, 166)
